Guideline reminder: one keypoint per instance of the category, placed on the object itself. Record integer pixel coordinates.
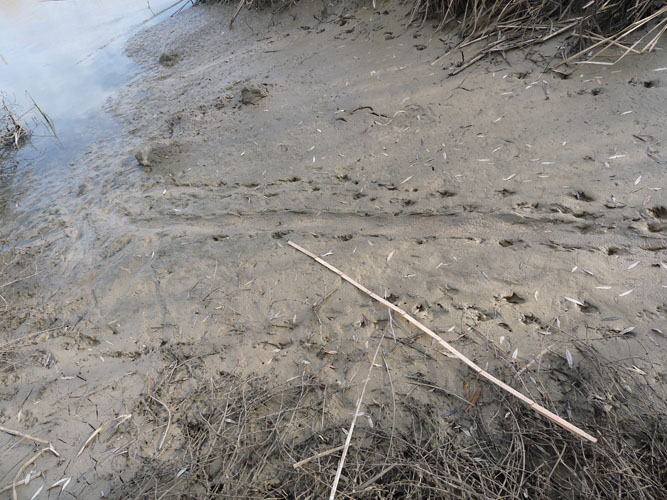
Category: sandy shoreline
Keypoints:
(512, 211)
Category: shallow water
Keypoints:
(69, 56)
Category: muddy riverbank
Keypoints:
(520, 215)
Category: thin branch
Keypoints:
(525, 399)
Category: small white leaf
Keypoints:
(391, 254)
(634, 264)
(181, 472)
(39, 490)
(637, 370)
(628, 292)
(570, 359)
(64, 481)
(574, 301)
(515, 353)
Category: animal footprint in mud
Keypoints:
(649, 84)
(514, 298)
(420, 310)
(252, 95)
(154, 154)
(279, 235)
(584, 307)
(588, 308)
(582, 196)
(659, 212)
(168, 59)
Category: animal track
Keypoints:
(582, 196)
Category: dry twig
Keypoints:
(101, 428)
(532, 404)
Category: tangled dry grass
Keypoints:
(13, 131)
(254, 438)
(611, 29)
(599, 31)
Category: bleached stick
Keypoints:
(28, 436)
(121, 418)
(348, 438)
(525, 399)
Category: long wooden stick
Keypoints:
(532, 404)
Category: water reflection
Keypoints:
(69, 55)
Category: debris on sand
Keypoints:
(240, 436)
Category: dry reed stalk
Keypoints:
(121, 418)
(10, 486)
(348, 438)
(532, 404)
(504, 25)
(323, 454)
(242, 437)
(29, 437)
(28, 464)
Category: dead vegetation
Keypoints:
(13, 131)
(17, 126)
(254, 438)
(595, 31)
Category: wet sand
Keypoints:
(509, 210)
